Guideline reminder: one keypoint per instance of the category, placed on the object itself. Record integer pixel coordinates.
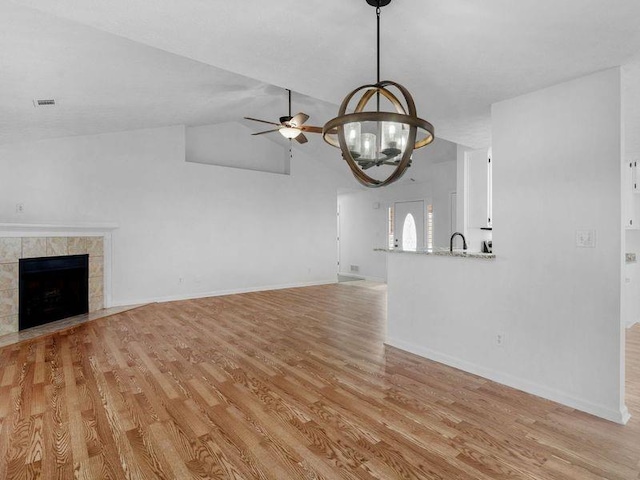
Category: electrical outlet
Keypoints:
(19, 207)
(586, 238)
(500, 338)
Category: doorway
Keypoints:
(409, 223)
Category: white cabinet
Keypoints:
(631, 186)
(479, 187)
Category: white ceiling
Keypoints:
(104, 83)
(128, 64)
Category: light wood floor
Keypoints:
(58, 325)
(284, 384)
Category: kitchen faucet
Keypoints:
(464, 241)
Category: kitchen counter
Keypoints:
(441, 253)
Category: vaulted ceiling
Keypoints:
(127, 64)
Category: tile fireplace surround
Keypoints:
(31, 241)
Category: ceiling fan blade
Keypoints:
(266, 131)
(310, 129)
(298, 119)
(301, 138)
(262, 121)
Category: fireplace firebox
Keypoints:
(52, 288)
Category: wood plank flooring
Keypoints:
(288, 384)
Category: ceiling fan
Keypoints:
(290, 126)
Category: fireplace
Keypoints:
(52, 288)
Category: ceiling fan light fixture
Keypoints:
(290, 132)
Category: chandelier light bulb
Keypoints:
(391, 139)
(369, 146)
(354, 141)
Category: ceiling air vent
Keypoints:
(45, 102)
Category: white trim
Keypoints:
(107, 252)
(624, 415)
(363, 277)
(621, 416)
(631, 324)
(51, 230)
(375, 279)
(218, 293)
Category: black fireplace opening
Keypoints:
(52, 288)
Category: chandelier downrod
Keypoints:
(378, 54)
(378, 38)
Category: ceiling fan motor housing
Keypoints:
(378, 3)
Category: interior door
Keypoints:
(409, 225)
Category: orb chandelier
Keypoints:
(378, 138)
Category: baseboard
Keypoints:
(625, 415)
(629, 325)
(218, 293)
(621, 416)
(363, 277)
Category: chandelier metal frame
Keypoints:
(333, 131)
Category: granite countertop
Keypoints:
(441, 253)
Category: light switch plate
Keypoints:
(586, 238)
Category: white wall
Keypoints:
(556, 169)
(461, 189)
(470, 204)
(631, 281)
(219, 229)
(205, 144)
(442, 184)
(631, 153)
(363, 227)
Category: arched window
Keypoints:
(409, 234)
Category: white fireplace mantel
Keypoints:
(55, 230)
(104, 230)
